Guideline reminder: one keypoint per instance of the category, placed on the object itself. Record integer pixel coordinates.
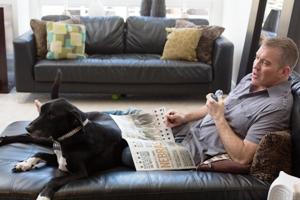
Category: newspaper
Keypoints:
(152, 143)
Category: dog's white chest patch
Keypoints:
(62, 163)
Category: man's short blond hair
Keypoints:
(289, 50)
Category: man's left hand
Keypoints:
(215, 108)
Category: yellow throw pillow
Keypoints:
(181, 44)
(65, 41)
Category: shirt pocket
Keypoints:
(240, 119)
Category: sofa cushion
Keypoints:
(55, 18)
(40, 33)
(124, 68)
(273, 155)
(205, 45)
(148, 34)
(181, 44)
(65, 41)
(104, 35)
(223, 163)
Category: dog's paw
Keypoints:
(40, 197)
(26, 165)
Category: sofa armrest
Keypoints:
(222, 64)
(25, 58)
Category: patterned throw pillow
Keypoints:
(181, 44)
(205, 45)
(223, 163)
(65, 40)
(39, 30)
(40, 33)
(273, 155)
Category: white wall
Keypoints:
(22, 6)
(235, 20)
(216, 12)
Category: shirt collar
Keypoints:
(281, 89)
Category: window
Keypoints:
(125, 8)
(187, 13)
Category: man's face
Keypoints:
(266, 71)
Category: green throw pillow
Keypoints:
(40, 34)
(65, 41)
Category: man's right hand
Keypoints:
(175, 119)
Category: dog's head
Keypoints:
(56, 118)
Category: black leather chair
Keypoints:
(124, 183)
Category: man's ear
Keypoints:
(38, 105)
(286, 71)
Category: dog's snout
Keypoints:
(29, 128)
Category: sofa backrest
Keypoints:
(104, 35)
(148, 34)
(55, 18)
(295, 124)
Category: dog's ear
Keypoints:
(56, 85)
(38, 105)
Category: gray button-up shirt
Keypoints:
(250, 115)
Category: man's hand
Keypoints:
(215, 108)
(175, 119)
(241, 151)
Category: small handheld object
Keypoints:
(218, 93)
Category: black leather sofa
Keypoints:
(123, 183)
(124, 57)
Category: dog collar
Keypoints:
(71, 133)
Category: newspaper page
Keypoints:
(152, 143)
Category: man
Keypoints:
(260, 103)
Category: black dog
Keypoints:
(83, 143)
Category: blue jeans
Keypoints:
(127, 159)
(123, 112)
